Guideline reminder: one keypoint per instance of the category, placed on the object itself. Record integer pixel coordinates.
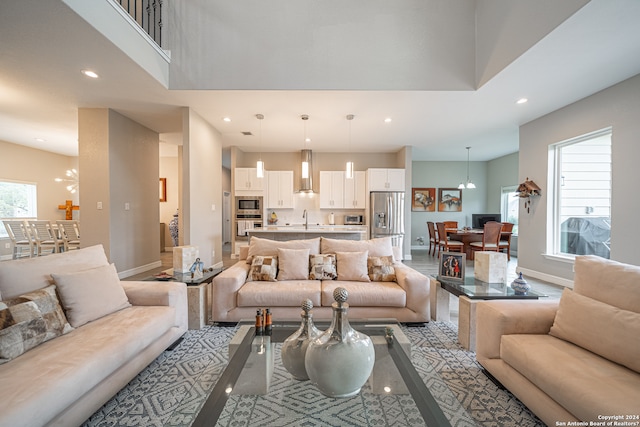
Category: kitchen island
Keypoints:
(297, 232)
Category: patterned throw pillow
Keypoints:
(263, 268)
(322, 267)
(381, 269)
(47, 302)
(22, 328)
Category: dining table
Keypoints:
(469, 235)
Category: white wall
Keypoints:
(501, 172)
(617, 106)
(119, 168)
(201, 187)
(409, 45)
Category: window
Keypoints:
(581, 200)
(509, 203)
(18, 200)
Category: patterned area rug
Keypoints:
(171, 390)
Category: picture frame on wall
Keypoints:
(423, 199)
(449, 200)
(163, 189)
(451, 266)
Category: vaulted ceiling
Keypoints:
(450, 83)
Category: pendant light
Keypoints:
(260, 163)
(349, 167)
(470, 185)
(305, 161)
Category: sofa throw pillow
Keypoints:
(267, 247)
(263, 269)
(22, 328)
(380, 246)
(293, 264)
(47, 302)
(352, 266)
(90, 294)
(322, 267)
(598, 327)
(381, 269)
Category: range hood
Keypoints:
(306, 172)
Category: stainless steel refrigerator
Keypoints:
(387, 215)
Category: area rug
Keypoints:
(171, 390)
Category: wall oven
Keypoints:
(248, 215)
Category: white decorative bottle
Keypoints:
(340, 361)
(295, 346)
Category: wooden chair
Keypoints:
(505, 241)
(69, 231)
(433, 237)
(443, 240)
(18, 232)
(490, 238)
(451, 225)
(45, 237)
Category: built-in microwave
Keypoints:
(248, 205)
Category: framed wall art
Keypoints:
(449, 200)
(163, 189)
(423, 199)
(451, 266)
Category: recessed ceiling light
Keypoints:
(307, 139)
(522, 101)
(40, 139)
(90, 73)
(387, 120)
(226, 119)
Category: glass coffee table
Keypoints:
(469, 292)
(256, 389)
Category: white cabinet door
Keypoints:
(279, 189)
(331, 189)
(386, 179)
(286, 189)
(395, 179)
(355, 191)
(247, 179)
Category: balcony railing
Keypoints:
(148, 14)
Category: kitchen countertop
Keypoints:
(311, 229)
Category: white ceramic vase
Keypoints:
(340, 361)
(294, 348)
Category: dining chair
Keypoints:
(451, 225)
(505, 241)
(18, 232)
(44, 237)
(69, 231)
(433, 237)
(443, 240)
(490, 238)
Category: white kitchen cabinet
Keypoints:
(355, 190)
(247, 179)
(385, 179)
(331, 189)
(279, 189)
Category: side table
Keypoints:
(199, 294)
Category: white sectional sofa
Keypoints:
(72, 371)
(574, 360)
(378, 286)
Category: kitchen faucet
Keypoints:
(306, 219)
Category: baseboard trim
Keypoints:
(561, 281)
(137, 270)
